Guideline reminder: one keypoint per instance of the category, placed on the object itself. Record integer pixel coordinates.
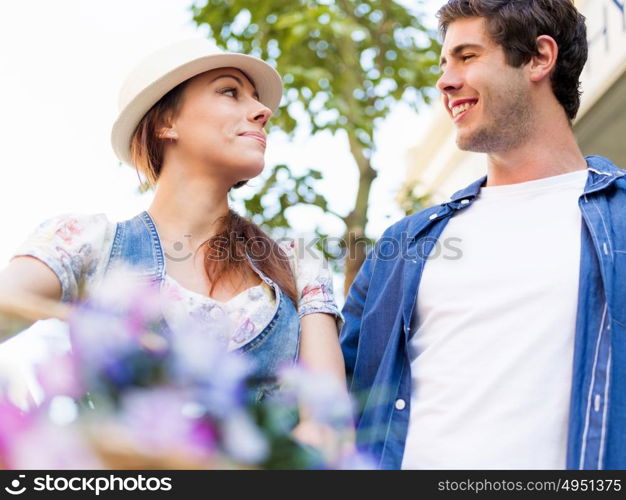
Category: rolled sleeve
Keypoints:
(70, 245)
(313, 281)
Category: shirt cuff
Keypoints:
(323, 308)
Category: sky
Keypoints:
(62, 64)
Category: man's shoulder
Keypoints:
(413, 223)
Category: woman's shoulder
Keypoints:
(75, 221)
(70, 228)
(69, 234)
(73, 245)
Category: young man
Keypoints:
(513, 354)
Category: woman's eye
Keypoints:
(467, 56)
(230, 91)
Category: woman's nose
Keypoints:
(260, 114)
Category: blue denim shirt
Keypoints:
(137, 244)
(381, 302)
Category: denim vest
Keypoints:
(137, 244)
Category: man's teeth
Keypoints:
(457, 110)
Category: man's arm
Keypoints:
(353, 314)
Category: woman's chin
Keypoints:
(252, 171)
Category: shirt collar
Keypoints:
(469, 193)
(602, 173)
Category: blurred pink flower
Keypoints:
(44, 445)
(13, 422)
(59, 376)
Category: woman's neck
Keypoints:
(185, 208)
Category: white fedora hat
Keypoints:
(163, 70)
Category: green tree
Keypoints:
(345, 63)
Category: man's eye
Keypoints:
(229, 91)
(465, 57)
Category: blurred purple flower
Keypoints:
(97, 335)
(159, 424)
(115, 333)
(243, 440)
(114, 319)
(180, 395)
(356, 461)
(216, 376)
(325, 399)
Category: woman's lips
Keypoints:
(257, 136)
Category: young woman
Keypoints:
(192, 121)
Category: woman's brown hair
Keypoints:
(239, 244)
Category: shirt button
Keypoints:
(400, 404)
(433, 216)
(464, 202)
(597, 402)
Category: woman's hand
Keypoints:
(331, 443)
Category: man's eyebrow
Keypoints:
(458, 49)
(239, 81)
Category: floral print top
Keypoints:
(77, 248)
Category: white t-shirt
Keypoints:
(492, 350)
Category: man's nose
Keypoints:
(449, 81)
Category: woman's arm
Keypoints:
(29, 290)
(320, 353)
(52, 265)
(319, 346)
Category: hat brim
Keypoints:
(265, 79)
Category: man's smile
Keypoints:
(459, 107)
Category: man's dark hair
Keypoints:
(515, 26)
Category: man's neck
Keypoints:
(550, 150)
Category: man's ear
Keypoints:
(542, 64)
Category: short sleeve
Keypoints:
(73, 247)
(313, 281)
